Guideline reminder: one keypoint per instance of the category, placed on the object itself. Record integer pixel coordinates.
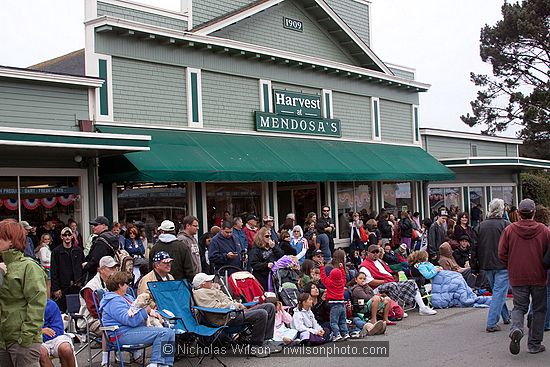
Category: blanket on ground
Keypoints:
(449, 289)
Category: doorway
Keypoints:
(299, 199)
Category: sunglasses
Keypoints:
(374, 252)
(267, 236)
(66, 235)
(326, 211)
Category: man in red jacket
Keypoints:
(522, 247)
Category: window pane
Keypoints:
(453, 197)
(436, 199)
(363, 197)
(50, 197)
(9, 207)
(505, 193)
(239, 199)
(397, 196)
(150, 204)
(477, 195)
(345, 197)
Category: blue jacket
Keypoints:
(134, 250)
(53, 320)
(218, 249)
(239, 233)
(114, 309)
(427, 270)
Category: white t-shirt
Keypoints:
(368, 274)
(45, 256)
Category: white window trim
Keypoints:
(374, 119)
(415, 130)
(262, 96)
(114, 201)
(93, 69)
(327, 92)
(190, 121)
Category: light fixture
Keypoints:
(78, 158)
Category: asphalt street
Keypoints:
(453, 337)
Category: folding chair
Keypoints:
(113, 344)
(73, 309)
(175, 302)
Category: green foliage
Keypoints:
(536, 187)
(518, 92)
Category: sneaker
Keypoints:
(516, 336)
(492, 329)
(364, 332)
(426, 311)
(541, 348)
(378, 328)
(260, 353)
(337, 338)
(506, 322)
(355, 334)
(345, 337)
(405, 315)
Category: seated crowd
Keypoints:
(312, 292)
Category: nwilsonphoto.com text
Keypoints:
(343, 349)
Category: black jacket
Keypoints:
(485, 250)
(385, 229)
(104, 244)
(436, 236)
(406, 227)
(259, 259)
(461, 256)
(66, 268)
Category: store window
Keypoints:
(446, 196)
(397, 197)
(505, 193)
(239, 199)
(352, 197)
(40, 198)
(477, 196)
(150, 204)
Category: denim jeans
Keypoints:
(159, 337)
(498, 279)
(538, 297)
(338, 319)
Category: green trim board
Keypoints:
(58, 139)
(194, 97)
(103, 97)
(181, 155)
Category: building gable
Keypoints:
(267, 29)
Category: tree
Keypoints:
(518, 92)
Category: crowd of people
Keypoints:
(354, 291)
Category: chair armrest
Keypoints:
(250, 304)
(109, 328)
(76, 316)
(223, 311)
(168, 315)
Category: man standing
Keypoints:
(182, 267)
(322, 242)
(239, 232)
(250, 230)
(485, 257)
(29, 244)
(162, 265)
(269, 223)
(328, 225)
(224, 248)
(105, 244)
(476, 215)
(187, 236)
(522, 247)
(436, 236)
(66, 268)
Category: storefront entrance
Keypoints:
(298, 199)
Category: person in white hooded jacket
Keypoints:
(304, 321)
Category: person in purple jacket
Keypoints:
(114, 307)
(55, 343)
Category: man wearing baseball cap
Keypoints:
(261, 317)
(104, 244)
(521, 248)
(250, 229)
(182, 266)
(162, 265)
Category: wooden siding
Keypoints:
(354, 112)
(148, 92)
(446, 147)
(206, 10)
(402, 73)
(396, 122)
(140, 16)
(42, 106)
(266, 29)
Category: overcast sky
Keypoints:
(439, 38)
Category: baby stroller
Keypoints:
(241, 284)
(284, 280)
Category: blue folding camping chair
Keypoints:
(175, 302)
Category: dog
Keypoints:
(142, 301)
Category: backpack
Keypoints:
(118, 254)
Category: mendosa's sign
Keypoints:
(297, 113)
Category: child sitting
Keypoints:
(419, 260)
(370, 304)
(335, 283)
(282, 321)
(305, 323)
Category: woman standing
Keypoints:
(463, 228)
(298, 242)
(262, 256)
(355, 237)
(22, 300)
(133, 243)
(44, 255)
(406, 227)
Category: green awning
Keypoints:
(206, 156)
